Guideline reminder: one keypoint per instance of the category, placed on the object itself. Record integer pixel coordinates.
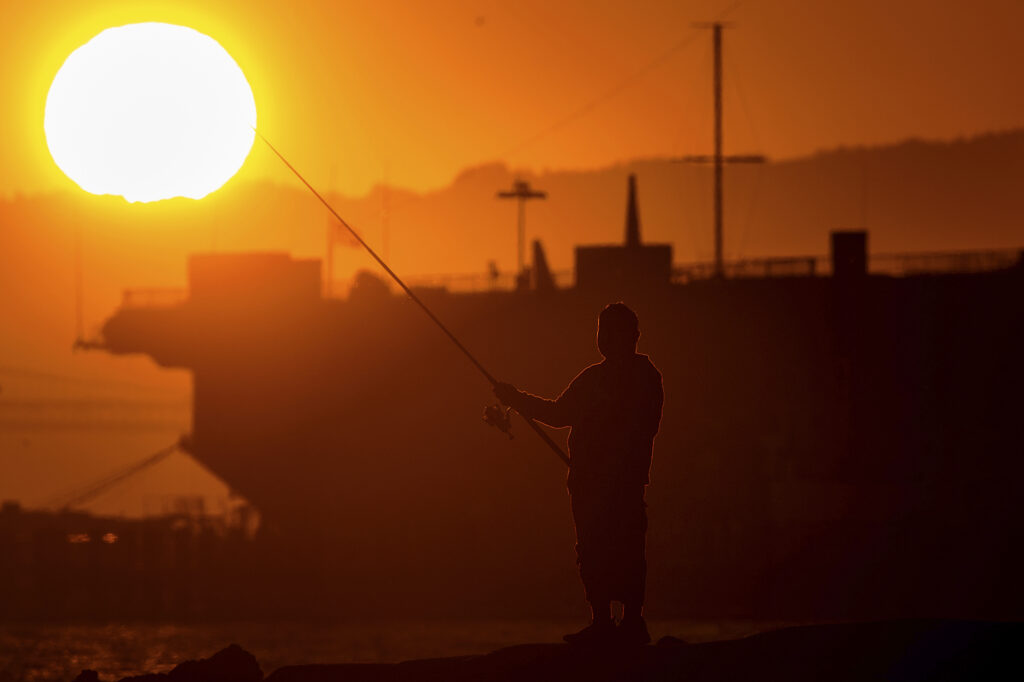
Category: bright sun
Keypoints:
(148, 112)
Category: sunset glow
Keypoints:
(504, 327)
(148, 112)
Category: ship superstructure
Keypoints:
(836, 441)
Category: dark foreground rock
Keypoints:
(892, 650)
(903, 650)
(233, 664)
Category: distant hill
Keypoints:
(914, 196)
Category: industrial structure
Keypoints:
(837, 441)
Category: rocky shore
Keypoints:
(887, 650)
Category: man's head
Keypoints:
(617, 331)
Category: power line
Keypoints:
(617, 89)
(734, 80)
(612, 92)
(586, 108)
(97, 488)
(594, 103)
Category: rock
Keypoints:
(670, 641)
(886, 650)
(232, 664)
(894, 650)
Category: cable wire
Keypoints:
(101, 486)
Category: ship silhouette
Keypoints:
(841, 437)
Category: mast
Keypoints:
(522, 192)
(718, 159)
(716, 32)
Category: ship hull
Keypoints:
(829, 447)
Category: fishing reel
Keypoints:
(500, 417)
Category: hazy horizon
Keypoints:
(287, 180)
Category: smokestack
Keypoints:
(632, 215)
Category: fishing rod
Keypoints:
(489, 417)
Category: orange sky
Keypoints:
(414, 91)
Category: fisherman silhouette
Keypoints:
(614, 409)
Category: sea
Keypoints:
(34, 652)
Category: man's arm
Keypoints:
(563, 411)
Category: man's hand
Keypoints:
(506, 393)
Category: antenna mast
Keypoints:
(716, 40)
(522, 192)
(718, 159)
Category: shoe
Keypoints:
(633, 631)
(597, 632)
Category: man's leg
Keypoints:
(600, 609)
(588, 510)
(633, 628)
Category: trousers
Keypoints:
(611, 536)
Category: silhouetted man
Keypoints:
(614, 409)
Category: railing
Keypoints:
(887, 264)
(890, 264)
(477, 282)
(807, 266)
(473, 282)
(903, 264)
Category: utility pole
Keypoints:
(522, 192)
(718, 159)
